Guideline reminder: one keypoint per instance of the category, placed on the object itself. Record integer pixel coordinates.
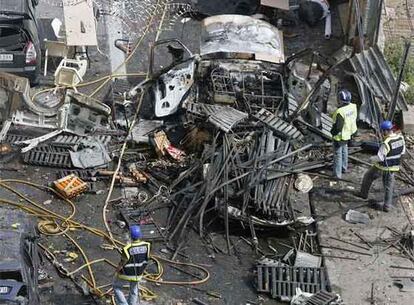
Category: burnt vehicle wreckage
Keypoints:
(234, 132)
(259, 129)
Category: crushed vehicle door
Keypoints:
(173, 83)
(171, 89)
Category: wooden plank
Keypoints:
(80, 24)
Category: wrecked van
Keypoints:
(233, 48)
(242, 84)
(19, 39)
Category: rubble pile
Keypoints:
(231, 136)
(228, 138)
(69, 122)
(244, 129)
(227, 135)
(222, 133)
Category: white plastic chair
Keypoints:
(55, 49)
(70, 72)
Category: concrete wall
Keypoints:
(396, 23)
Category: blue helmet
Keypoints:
(345, 96)
(386, 125)
(135, 231)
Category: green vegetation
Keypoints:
(393, 53)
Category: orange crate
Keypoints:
(70, 186)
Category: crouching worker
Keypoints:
(386, 164)
(135, 257)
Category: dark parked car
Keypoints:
(19, 39)
(19, 259)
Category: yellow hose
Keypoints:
(51, 214)
(85, 258)
(52, 224)
(132, 123)
(104, 78)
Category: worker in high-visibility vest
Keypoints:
(135, 257)
(386, 164)
(344, 127)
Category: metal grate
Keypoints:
(256, 87)
(62, 140)
(53, 159)
(321, 298)
(50, 149)
(149, 228)
(326, 124)
(11, 138)
(222, 83)
(223, 117)
(325, 127)
(282, 281)
(277, 125)
(71, 140)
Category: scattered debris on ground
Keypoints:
(222, 153)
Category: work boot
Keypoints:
(359, 195)
(387, 208)
(379, 206)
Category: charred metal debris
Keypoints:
(250, 127)
(227, 130)
(228, 133)
(285, 276)
(233, 133)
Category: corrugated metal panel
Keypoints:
(375, 83)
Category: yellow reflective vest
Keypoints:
(393, 148)
(349, 114)
(138, 255)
